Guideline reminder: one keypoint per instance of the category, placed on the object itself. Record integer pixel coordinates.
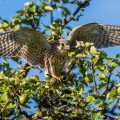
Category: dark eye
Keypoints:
(62, 44)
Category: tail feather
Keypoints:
(100, 35)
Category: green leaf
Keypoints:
(112, 94)
(4, 96)
(114, 64)
(52, 27)
(65, 12)
(118, 90)
(81, 56)
(23, 98)
(35, 78)
(33, 8)
(11, 105)
(47, 118)
(102, 75)
(71, 54)
(118, 56)
(16, 20)
(90, 98)
(94, 51)
(48, 8)
(95, 115)
(28, 4)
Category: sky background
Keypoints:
(100, 11)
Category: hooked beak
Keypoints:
(67, 47)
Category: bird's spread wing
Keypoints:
(8, 44)
(27, 43)
(100, 35)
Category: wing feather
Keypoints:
(26, 43)
(100, 35)
(8, 45)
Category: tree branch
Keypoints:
(94, 80)
(72, 17)
(27, 68)
(51, 13)
(66, 75)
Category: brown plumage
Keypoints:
(55, 60)
(100, 35)
(36, 50)
(26, 43)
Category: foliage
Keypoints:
(87, 91)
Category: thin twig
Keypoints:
(27, 69)
(51, 13)
(94, 80)
(72, 17)
(69, 71)
(66, 21)
(107, 87)
(17, 106)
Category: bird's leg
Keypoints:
(39, 68)
(55, 71)
(66, 66)
(47, 69)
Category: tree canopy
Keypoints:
(89, 90)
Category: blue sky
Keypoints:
(100, 11)
(103, 11)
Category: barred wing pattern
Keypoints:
(8, 45)
(27, 43)
(101, 35)
(36, 50)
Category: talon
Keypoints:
(48, 76)
(58, 79)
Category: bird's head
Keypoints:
(62, 45)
